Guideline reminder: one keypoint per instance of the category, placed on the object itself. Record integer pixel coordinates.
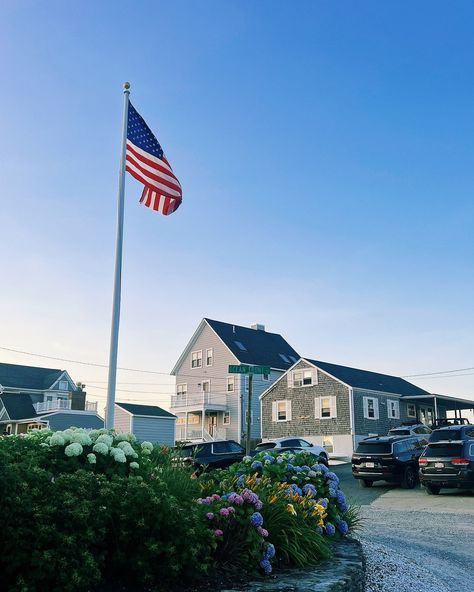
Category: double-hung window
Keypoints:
(230, 384)
(325, 407)
(196, 359)
(181, 389)
(393, 409)
(281, 411)
(302, 378)
(371, 408)
(226, 418)
(209, 356)
(63, 385)
(411, 410)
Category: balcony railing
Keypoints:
(52, 405)
(196, 434)
(62, 404)
(198, 400)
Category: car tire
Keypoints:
(432, 489)
(323, 460)
(365, 483)
(409, 478)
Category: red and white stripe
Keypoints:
(162, 191)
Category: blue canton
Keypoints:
(140, 134)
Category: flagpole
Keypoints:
(109, 417)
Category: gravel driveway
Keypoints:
(414, 542)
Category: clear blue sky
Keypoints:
(326, 156)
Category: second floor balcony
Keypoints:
(62, 405)
(198, 401)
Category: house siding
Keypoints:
(303, 422)
(63, 421)
(122, 420)
(364, 426)
(154, 429)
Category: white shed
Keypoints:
(147, 422)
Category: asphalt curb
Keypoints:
(345, 572)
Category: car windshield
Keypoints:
(397, 432)
(374, 447)
(439, 435)
(451, 450)
(185, 452)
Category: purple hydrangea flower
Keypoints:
(262, 531)
(239, 500)
(209, 515)
(256, 519)
(224, 512)
(218, 532)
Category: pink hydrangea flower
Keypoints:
(215, 497)
(210, 515)
(218, 532)
(231, 510)
(262, 531)
(239, 500)
(224, 512)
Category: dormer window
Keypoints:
(284, 358)
(63, 385)
(240, 345)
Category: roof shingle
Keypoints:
(28, 377)
(151, 410)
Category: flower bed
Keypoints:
(87, 509)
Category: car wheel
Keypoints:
(432, 489)
(366, 483)
(409, 478)
(323, 460)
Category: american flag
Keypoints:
(146, 162)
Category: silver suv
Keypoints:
(417, 429)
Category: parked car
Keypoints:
(294, 445)
(410, 429)
(211, 455)
(388, 458)
(448, 461)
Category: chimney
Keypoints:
(257, 327)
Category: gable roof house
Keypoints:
(33, 397)
(211, 404)
(337, 406)
(147, 422)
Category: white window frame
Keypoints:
(328, 446)
(226, 418)
(318, 410)
(61, 386)
(313, 378)
(210, 349)
(182, 389)
(408, 410)
(203, 390)
(275, 405)
(231, 381)
(393, 405)
(375, 407)
(198, 359)
(267, 377)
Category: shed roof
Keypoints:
(151, 410)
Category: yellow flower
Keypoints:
(291, 509)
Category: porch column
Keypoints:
(435, 410)
(202, 424)
(186, 425)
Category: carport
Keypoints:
(434, 406)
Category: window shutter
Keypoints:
(315, 376)
(376, 408)
(317, 408)
(397, 409)
(274, 411)
(366, 407)
(288, 411)
(333, 407)
(290, 379)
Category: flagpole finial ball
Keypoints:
(126, 85)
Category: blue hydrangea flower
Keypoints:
(323, 502)
(332, 491)
(290, 467)
(256, 519)
(341, 501)
(319, 530)
(240, 481)
(269, 551)
(329, 529)
(256, 465)
(332, 477)
(305, 468)
(268, 458)
(343, 527)
(280, 459)
(298, 469)
(266, 566)
(309, 487)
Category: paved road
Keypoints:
(414, 542)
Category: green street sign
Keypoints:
(245, 369)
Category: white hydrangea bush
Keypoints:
(92, 445)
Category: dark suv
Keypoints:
(448, 461)
(213, 455)
(388, 458)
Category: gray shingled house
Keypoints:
(147, 422)
(33, 397)
(337, 406)
(210, 403)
